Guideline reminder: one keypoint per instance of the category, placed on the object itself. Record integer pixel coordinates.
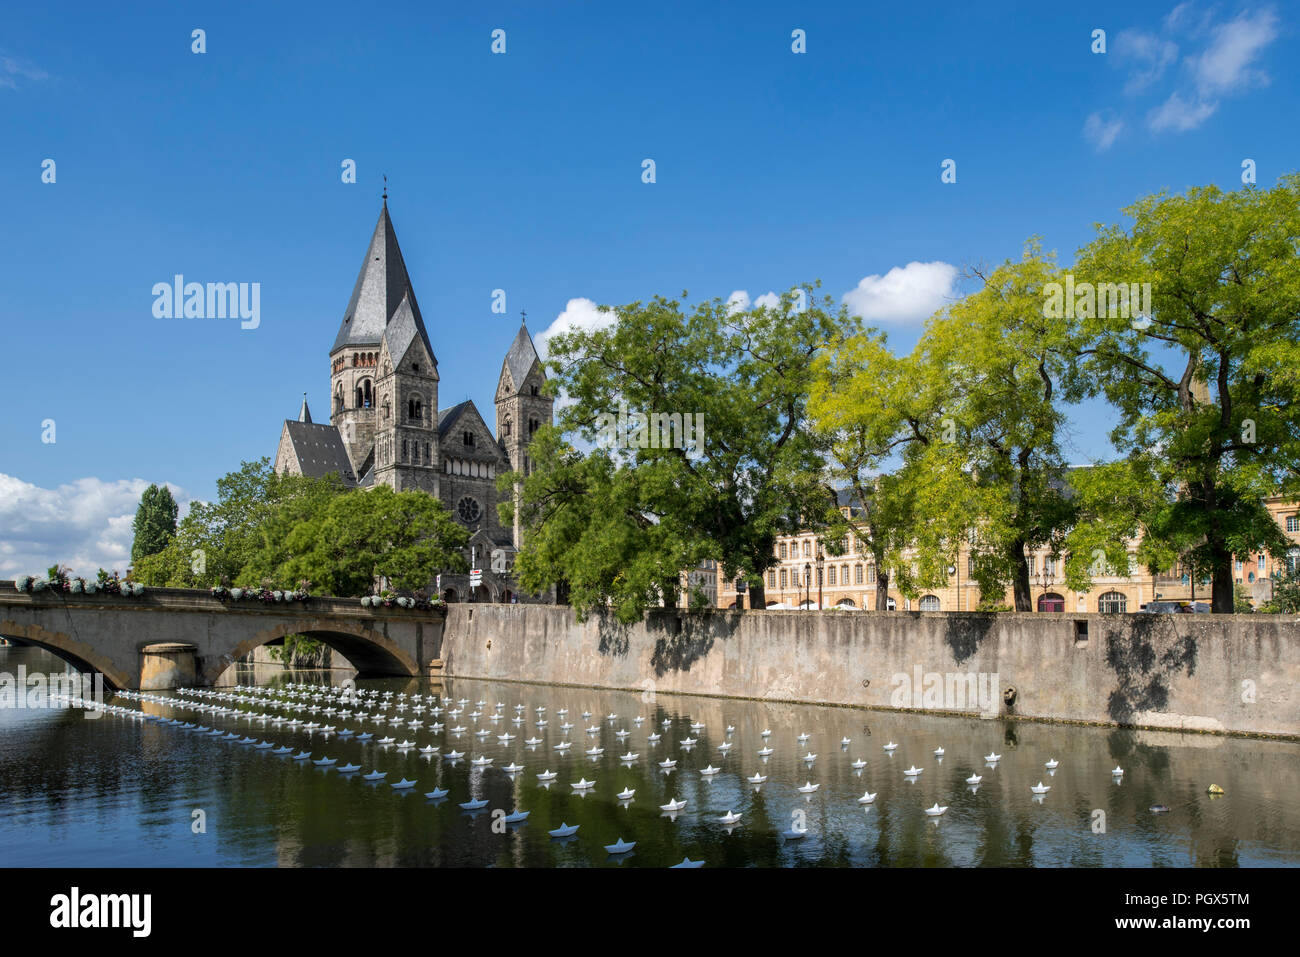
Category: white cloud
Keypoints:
(1179, 115)
(85, 524)
(768, 300)
(12, 70)
(1148, 56)
(911, 293)
(578, 314)
(1101, 133)
(738, 301)
(1225, 66)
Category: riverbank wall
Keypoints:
(1236, 674)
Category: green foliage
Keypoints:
(403, 538)
(619, 524)
(1286, 594)
(282, 528)
(155, 522)
(1207, 390)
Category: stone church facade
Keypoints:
(385, 427)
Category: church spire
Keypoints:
(381, 289)
(304, 414)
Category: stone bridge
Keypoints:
(150, 641)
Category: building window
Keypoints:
(891, 605)
(533, 426)
(1033, 564)
(414, 410)
(857, 574)
(1112, 603)
(871, 574)
(1049, 567)
(782, 549)
(807, 549)
(830, 575)
(1293, 561)
(784, 580)
(1293, 523)
(1238, 567)
(468, 510)
(771, 579)
(1051, 602)
(929, 603)
(505, 428)
(403, 450)
(536, 391)
(970, 566)
(1260, 563)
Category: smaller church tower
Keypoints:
(522, 407)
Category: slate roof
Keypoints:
(319, 450)
(520, 358)
(383, 288)
(447, 417)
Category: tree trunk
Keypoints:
(1221, 590)
(882, 590)
(1020, 587)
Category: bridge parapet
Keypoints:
(109, 633)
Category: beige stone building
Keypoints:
(806, 575)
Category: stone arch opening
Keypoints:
(81, 656)
(370, 652)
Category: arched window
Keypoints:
(533, 426)
(1112, 603)
(414, 410)
(364, 396)
(845, 603)
(891, 605)
(338, 398)
(929, 603)
(505, 427)
(1051, 602)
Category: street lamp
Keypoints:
(807, 585)
(821, 557)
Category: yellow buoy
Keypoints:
(1215, 789)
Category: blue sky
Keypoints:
(522, 171)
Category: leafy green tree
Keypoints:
(589, 529)
(753, 474)
(217, 540)
(973, 419)
(400, 539)
(866, 401)
(1205, 384)
(155, 522)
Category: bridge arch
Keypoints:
(371, 652)
(78, 654)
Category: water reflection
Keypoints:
(117, 791)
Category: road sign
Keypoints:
(475, 577)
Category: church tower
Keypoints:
(384, 375)
(522, 408)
